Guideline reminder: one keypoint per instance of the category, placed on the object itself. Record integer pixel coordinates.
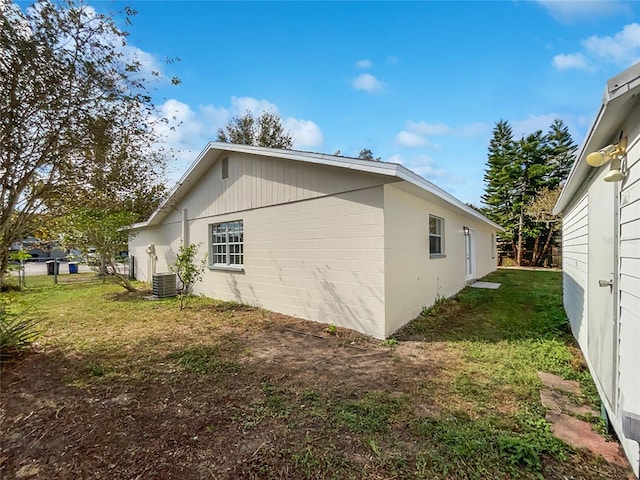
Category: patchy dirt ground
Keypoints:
(181, 426)
(261, 395)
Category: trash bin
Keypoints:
(53, 267)
(73, 267)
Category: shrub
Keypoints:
(17, 332)
(188, 271)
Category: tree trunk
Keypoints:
(4, 264)
(547, 241)
(121, 279)
(534, 255)
(520, 239)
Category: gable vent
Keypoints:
(225, 167)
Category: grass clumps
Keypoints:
(370, 414)
(484, 444)
(210, 360)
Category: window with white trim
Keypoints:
(436, 236)
(227, 245)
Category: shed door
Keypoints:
(468, 252)
(602, 320)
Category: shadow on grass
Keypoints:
(528, 305)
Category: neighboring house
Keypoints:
(38, 249)
(360, 244)
(601, 254)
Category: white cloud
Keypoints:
(240, 105)
(366, 63)
(416, 134)
(623, 48)
(215, 115)
(411, 140)
(148, 63)
(474, 129)
(568, 11)
(430, 129)
(368, 83)
(569, 61)
(305, 133)
(188, 130)
(533, 123)
(427, 168)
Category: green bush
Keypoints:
(17, 333)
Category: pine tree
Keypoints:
(498, 195)
(529, 172)
(562, 153)
(517, 173)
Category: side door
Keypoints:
(602, 329)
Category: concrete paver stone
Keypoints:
(561, 398)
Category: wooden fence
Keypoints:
(552, 259)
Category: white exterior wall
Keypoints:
(575, 270)
(166, 239)
(413, 279)
(319, 259)
(629, 290)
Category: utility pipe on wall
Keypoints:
(185, 228)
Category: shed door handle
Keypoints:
(606, 283)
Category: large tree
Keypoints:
(74, 113)
(263, 131)
(520, 174)
(104, 231)
(528, 174)
(562, 153)
(540, 211)
(499, 189)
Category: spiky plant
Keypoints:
(17, 333)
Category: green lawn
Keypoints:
(121, 387)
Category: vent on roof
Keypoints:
(225, 167)
(164, 285)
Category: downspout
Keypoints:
(616, 291)
(185, 228)
(151, 261)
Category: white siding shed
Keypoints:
(601, 255)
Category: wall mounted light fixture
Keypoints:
(610, 153)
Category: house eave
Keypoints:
(617, 104)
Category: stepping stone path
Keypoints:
(562, 398)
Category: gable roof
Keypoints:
(215, 150)
(621, 98)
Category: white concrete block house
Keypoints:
(601, 255)
(360, 244)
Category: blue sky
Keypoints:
(418, 83)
